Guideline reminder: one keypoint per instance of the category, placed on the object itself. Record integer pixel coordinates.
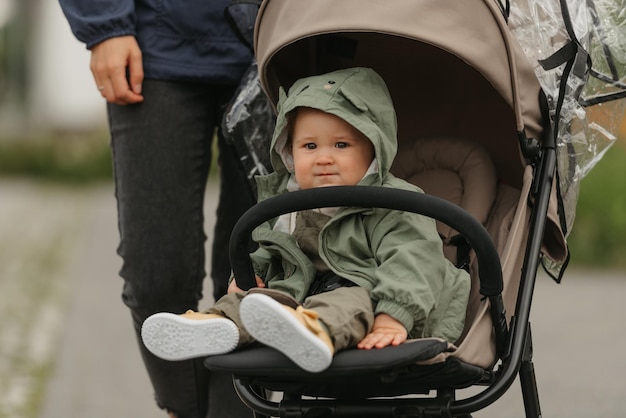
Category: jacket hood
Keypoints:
(357, 95)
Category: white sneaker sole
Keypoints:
(172, 337)
(271, 324)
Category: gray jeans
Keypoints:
(161, 154)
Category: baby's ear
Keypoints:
(354, 99)
(282, 96)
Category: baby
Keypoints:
(333, 278)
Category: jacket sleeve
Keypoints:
(281, 263)
(94, 21)
(411, 268)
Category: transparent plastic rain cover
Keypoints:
(594, 104)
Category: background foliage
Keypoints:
(599, 235)
(598, 238)
(67, 158)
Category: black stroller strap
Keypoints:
(566, 53)
(577, 59)
(577, 62)
(463, 250)
(325, 282)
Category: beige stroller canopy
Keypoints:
(507, 54)
(483, 43)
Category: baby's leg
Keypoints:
(347, 313)
(228, 306)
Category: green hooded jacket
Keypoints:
(397, 256)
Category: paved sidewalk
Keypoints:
(99, 370)
(578, 345)
(76, 331)
(42, 230)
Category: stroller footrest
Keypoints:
(418, 365)
(261, 361)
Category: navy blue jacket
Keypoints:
(180, 40)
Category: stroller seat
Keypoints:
(454, 169)
(457, 170)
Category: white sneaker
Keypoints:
(297, 333)
(176, 337)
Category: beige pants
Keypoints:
(347, 314)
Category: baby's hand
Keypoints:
(233, 288)
(386, 331)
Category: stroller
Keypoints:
(476, 132)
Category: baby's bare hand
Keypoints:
(386, 331)
(233, 288)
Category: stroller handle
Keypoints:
(489, 267)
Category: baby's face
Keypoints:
(328, 151)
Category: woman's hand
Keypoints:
(117, 68)
(232, 287)
(386, 331)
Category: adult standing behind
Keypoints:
(167, 69)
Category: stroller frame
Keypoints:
(515, 343)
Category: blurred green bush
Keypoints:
(76, 158)
(598, 237)
(69, 158)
